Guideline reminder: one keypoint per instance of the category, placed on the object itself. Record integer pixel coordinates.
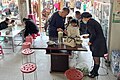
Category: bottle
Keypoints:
(60, 36)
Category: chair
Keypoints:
(26, 45)
(1, 52)
(74, 74)
(29, 68)
(27, 54)
(29, 39)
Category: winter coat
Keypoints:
(73, 31)
(97, 39)
(56, 21)
(3, 25)
(30, 27)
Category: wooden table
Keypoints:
(59, 60)
(14, 31)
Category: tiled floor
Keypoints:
(10, 66)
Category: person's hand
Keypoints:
(59, 29)
(89, 43)
(20, 24)
(65, 31)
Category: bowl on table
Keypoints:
(85, 35)
(51, 43)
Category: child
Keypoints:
(73, 29)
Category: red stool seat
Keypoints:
(29, 39)
(1, 51)
(26, 45)
(28, 68)
(27, 51)
(73, 74)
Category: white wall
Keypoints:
(114, 35)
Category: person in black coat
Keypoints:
(56, 24)
(96, 42)
(30, 27)
(4, 24)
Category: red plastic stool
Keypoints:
(26, 45)
(1, 52)
(29, 68)
(27, 54)
(73, 74)
(29, 39)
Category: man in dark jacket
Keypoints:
(57, 22)
(96, 42)
(30, 27)
(4, 24)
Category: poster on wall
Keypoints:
(100, 12)
(106, 9)
(116, 14)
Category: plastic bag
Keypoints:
(83, 67)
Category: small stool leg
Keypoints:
(35, 57)
(29, 58)
(22, 59)
(35, 75)
(23, 76)
(26, 57)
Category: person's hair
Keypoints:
(86, 15)
(25, 19)
(74, 21)
(77, 12)
(66, 9)
(12, 21)
(7, 19)
(69, 18)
